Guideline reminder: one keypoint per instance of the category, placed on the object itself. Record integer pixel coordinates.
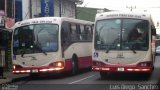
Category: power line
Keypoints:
(131, 7)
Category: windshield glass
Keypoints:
(35, 39)
(122, 34)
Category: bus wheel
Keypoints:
(74, 65)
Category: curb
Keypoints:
(18, 79)
(5, 81)
(8, 81)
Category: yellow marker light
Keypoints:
(59, 64)
(14, 67)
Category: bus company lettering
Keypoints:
(36, 22)
(124, 15)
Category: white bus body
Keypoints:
(51, 44)
(120, 47)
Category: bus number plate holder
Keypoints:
(120, 69)
(35, 71)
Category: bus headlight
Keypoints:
(144, 64)
(97, 63)
(14, 67)
(57, 64)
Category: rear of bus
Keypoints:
(35, 46)
(122, 43)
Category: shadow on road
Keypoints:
(50, 76)
(127, 77)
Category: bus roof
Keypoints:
(54, 20)
(123, 14)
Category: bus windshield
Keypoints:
(36, 38)
(122, 34)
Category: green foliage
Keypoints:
(86, 13)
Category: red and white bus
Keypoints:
(51, 44)
(123, 42)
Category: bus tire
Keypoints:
(74, 65)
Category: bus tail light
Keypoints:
(21, 71)
(50, 69)
(138, 70)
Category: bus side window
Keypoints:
(78, 32)
(65, 37)
(89, 32)
(74, 34)
(82, 33)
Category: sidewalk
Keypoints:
(9, 77)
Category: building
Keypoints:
(7, 15)
(40, 8)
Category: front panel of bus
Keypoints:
(122, 44)
(35, 48)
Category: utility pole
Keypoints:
(30, 8)
(131, 8)
(5, 4)
(13, 9)
(60, 8)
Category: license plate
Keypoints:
(120, 69)
(35, 70)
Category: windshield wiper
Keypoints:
(22, 53)
(132, 48)
(38, 46)
(108, 49)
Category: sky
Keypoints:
(121, 4)
(152, 6)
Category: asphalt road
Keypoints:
(91, 80)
